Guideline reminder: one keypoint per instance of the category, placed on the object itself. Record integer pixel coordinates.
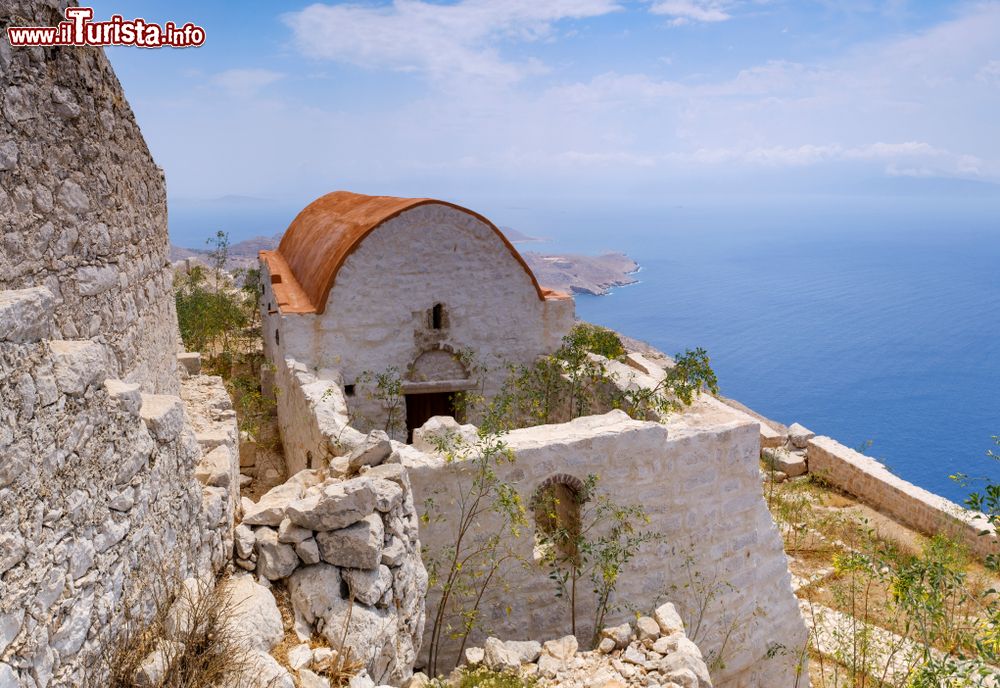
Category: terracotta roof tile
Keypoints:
(329, 229)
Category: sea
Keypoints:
(872, 319)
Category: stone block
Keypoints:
(357, 546)
(127, 395)
(786, 462)
(374, 450)
(270, 510)
(191, 361)
(163, 415)
(215, 467)
(77, 364)
(275, 560)
(336, 506)
(26, 314)
(799, 436)
(368, 586)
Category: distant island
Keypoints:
(573, 273)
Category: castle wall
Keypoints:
(870, 481)
(82, 204)
(99, 498)
(698, 480)
(103, 481)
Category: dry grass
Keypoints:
(188, 629)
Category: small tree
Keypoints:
(489, 514)
(597, 545)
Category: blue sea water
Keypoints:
(869, 319)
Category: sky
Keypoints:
(571, 99)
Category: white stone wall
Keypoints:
(99, 459)
(870, 481)
(98, 490)
(315, 426)
(82, 204)
(697, 477)
(377, 312)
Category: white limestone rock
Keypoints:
(308, 551)
(358, 546)
(620, 634)
(77, 364)
(388, 495)
(243, 540)
(300, 656)
(561, 648)
(314, 590)
(127, 395)
(368, 587)
(442, 431)
(647, 628)
(374, 450)
(215, 468)
(335, 506)
(786, 462)
(799, 435)
(291, 534)
(265, 672)
(255, 619)
(92, 280)
(497, 657)
(275, 560)
(270, 510)
(308, 679)
(26, 314)
(668, 619)
(526, 650)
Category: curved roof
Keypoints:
(328, 230)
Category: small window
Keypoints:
(437, 316)
(277, 337)
(349, 390)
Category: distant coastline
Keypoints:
(569, 272)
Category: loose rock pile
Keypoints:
(789, 460)
(652, 652)
(345, 542)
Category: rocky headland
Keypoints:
(571, 272)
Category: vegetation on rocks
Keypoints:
(887, 607)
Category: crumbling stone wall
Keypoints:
(697, 478)
(344, 542)
(99, 462)
(82, 204)
(97, 488)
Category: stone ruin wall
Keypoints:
(701, 490)
(103, 468)
(698, 478)
(83, 204)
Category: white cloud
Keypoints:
(990, 73)
(434, 39)
(684, 11)
(245, 82)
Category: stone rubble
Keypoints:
(653, 652)
(347, 549)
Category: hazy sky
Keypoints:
(573, 98)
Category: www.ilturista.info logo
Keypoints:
(78, 29)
